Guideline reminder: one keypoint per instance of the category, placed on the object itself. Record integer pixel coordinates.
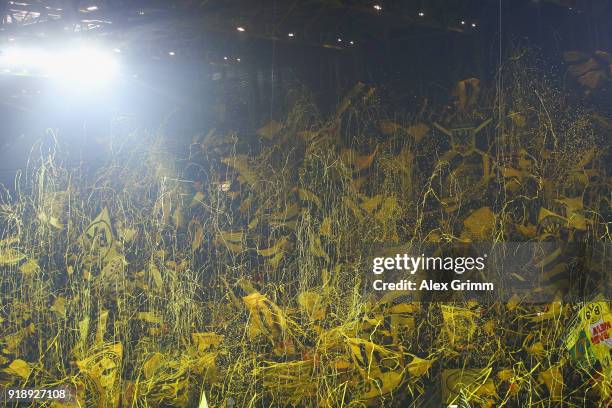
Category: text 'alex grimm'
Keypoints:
(410, 264)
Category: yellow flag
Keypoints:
(554, 382)
(100, 372)
(98, 237)
(19, 368)
(8, 254)
(459, 323)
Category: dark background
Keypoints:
(197, 89)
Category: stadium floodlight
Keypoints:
(80, 65)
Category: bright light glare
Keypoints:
(85, 65)
(81, 65)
